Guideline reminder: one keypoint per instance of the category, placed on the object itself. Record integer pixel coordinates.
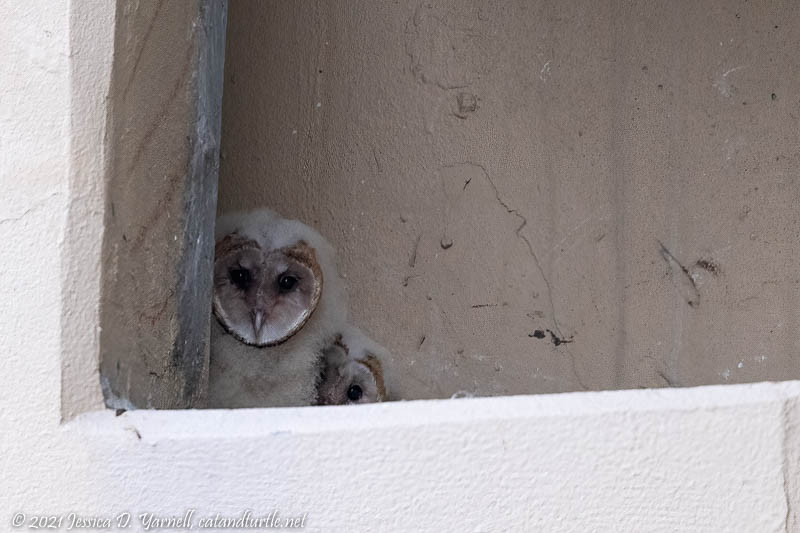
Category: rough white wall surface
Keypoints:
(91, 44)
(34, 148)
(34, 157)
(555, 145)
(706, 459)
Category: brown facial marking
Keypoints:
(232, 243)
(375, 367)
(305, 255)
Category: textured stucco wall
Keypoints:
(91, 44)
(707, 459)
(36, 135)
(556, 145)
(34, 147)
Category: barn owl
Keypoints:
(352, 372)
(278, 301)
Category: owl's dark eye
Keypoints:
(354, 393)
(287, 282)
(241, 278)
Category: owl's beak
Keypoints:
(258, 321)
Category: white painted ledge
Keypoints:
(701, 459)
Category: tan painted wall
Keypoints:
(556, 145)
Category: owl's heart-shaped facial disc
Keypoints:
(264, 297)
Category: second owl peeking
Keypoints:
(281, 336)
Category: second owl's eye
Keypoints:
(287, 282)
(354, 393)
(241, 278)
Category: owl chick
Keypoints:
(278, 302)
(352, 371)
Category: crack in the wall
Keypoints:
(31, 210)
(692, 295)
(518, 233)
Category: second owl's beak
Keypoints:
(258, 321)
